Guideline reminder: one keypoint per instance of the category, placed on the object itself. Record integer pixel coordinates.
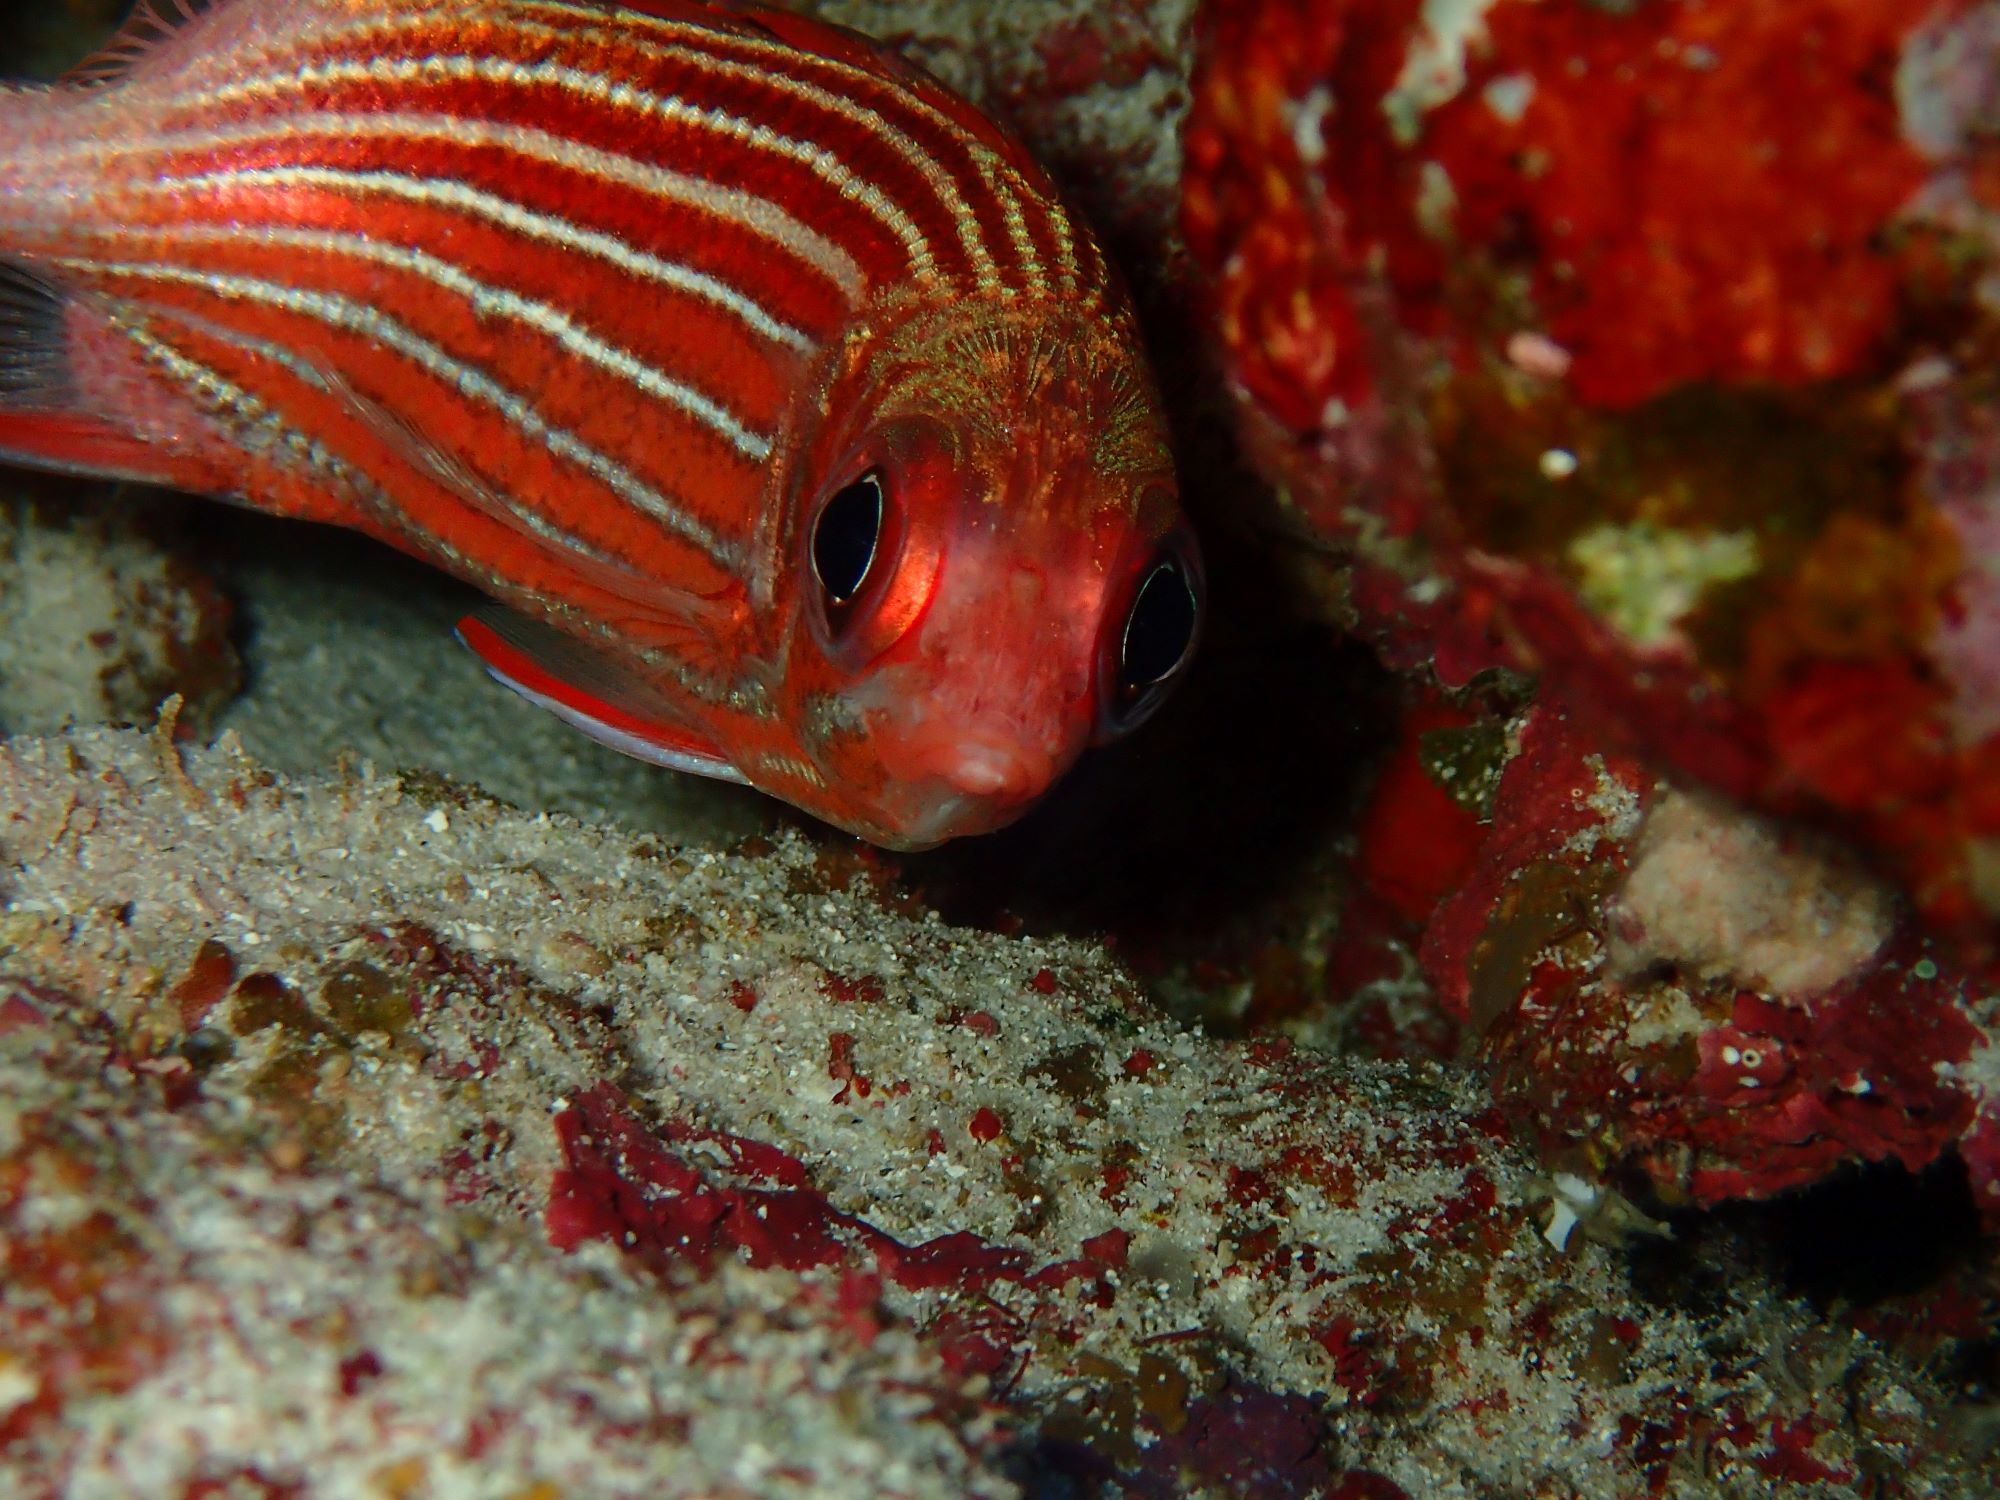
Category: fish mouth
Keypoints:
(989, 768)
(937, 811)
(949, 817)
(970, 783)
(938, 825)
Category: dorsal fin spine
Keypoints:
(152, 24)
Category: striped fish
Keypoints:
(800, 434)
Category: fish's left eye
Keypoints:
(1149, 647)
(846, 538)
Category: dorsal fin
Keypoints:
(151, 24)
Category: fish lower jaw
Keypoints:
(954, 817)
(937, 813)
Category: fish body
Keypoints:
(801, 431)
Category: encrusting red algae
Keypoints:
(980, 1177)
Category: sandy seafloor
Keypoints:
(351, 646)
(309, 1047)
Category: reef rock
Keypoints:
(350, 1124)
(1648, 349)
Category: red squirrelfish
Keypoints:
(800, 432)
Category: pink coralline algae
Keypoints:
(1660, 982)
(190, 1315)
(1642, 348)
(622, 1184)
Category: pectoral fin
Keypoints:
(587, 689)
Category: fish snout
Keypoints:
(967, 783)
(988, 768)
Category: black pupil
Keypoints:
(845, 538)
(1159, 629)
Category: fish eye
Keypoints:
(846, 539)
(1159, 630)
(1155, 640)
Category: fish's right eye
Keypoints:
(847, 539)
(871, 561)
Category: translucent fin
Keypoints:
(42, 421)
(588, 690)
(152, 23)
(34, 357)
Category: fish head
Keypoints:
(992, 570)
